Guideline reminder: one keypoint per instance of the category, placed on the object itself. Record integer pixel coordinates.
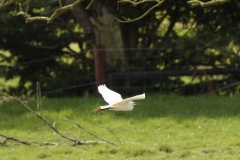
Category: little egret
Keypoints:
(115, 101)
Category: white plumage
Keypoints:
(115, 100)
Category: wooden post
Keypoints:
(100, 63)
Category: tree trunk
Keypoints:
(107, 32)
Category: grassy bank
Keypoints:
(159, 127)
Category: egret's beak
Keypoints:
(96, 109)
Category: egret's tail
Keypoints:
(134, 103)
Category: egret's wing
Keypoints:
(127, 104)
(109, 96)
(138, 97)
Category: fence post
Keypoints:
(100, 63)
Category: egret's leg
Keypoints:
(96, 109)
(99, 109)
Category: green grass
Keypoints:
(159, 127)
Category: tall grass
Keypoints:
(159, 127)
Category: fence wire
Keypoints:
(140, 61)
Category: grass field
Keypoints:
(159, 127)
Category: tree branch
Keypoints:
(76, 141)
(209, 3)
(40, 117)
(12, 139)
(4, 4)
(94, 135)
(89, 5)
(29, 18)
(159, 2)
(7, 138)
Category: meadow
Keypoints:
(159, 127)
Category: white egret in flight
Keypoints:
(115, 101)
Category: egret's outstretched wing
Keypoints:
(138, 97)
(109, 96)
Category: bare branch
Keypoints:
(76, 141)
(209, 3)
(68, 7)
(12, 139)
(7, 138)
(159, 2)
(94, 135)
(60, 3)
(89, 5)
(29, 18)
(40, 117)
(4, 4)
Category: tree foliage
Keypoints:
(43, 53)
(190, 37)
(177, 34)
